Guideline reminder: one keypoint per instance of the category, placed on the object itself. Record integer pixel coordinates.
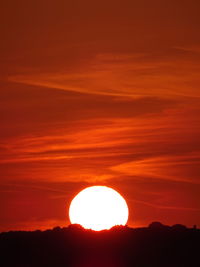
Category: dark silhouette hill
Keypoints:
(156, 245)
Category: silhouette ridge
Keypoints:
(157, 245)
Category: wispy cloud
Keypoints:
(170, 167)
(126, 75)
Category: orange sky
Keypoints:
(103, 92)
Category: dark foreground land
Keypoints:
(154, 246)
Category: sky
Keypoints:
(99, 93)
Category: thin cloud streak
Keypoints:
(131, 76)
(164, 167)
(121, 134)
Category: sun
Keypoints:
(98, 208)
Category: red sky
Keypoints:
(99, 92)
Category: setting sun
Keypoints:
(98, 208)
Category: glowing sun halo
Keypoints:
(98, 208)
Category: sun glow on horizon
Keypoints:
(98, 208)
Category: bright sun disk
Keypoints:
(98, 208)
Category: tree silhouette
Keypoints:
(156, 245)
